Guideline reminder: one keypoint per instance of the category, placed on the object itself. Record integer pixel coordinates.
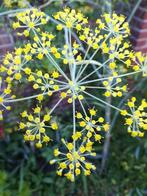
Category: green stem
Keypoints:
(119, 76)
(22, 99)
(86, 54)
(134, 10)
(30, 97)
(56, 105)
(12, 11)
(74, 123)
(89, 62)
(102, 101)
(82, 107)
(94, 71)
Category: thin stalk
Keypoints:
(55, 106)
(46, 4)
(108, 110)
(86, 53)
(74, 123)
(89, 62)
(104, 102)
(119, 76)
(95, 87)
(67, 43)
(107, 136)
(82, 107)
(73, 66)
(23, 99)
(94, 71)
(134, 10)
(30, 97)
(12, 11)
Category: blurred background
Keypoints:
(121, 160)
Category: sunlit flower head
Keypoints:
(136, 118)
(5, 96)
(29, 20)
(70, 18)
(14, 63)
(140, 63)
(15, 3)
(113, 88)
(36, 127)
(72, 161)
(114, 24)
(92, 124)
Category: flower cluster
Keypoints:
(71, 19)
(15, 3)
(42, 45)
(114, 24)
(45, 82)
(30, 19)
(140, 63)
(5, 96)
(14, 63)
(91, 126)
(36, 127)
(73, 161)
(112, 88)
(90, 37)
(77, 77)
(69, 54)
(137, 120)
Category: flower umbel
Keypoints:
(69, 70)
(30, 19)
(36, 127)
(5, 96)
(15, 3)
(71, 19)
(73, 161)
(137, 120)
(91, 126)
